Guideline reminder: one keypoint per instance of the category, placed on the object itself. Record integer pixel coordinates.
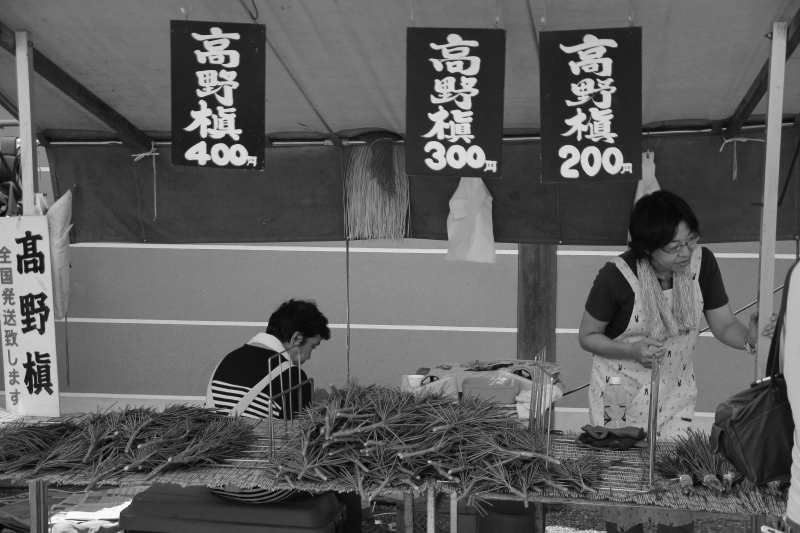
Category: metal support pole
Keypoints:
(769, 211)
(652, 421)
(27, 129)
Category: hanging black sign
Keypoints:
(591, 105)
(218, 71)
(454, 101)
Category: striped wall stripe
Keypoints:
(269, 248)
(342, 249)
(407, 327)
(164, 397)
(400, 327)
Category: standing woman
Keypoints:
(790, 362)
(646, 305)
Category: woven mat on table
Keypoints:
(628, 477)
(628, 473)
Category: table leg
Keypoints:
(756, 521)
(431, 493)
(540, 524)
(37, 494)
(453, 512)
(408, 512)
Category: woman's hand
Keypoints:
(647, 350)
(752, 330)
(769, 329)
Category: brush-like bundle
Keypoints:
(693, 462)
(672, 466)
(695, 451)
(728, 474)
(102, 445)
(376, 189)
(376, 437)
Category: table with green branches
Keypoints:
(370, 439)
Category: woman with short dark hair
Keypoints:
(646, 305)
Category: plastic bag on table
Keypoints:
(551, 393)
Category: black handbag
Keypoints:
(754, 429)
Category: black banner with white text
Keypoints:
(218, 104)
(591, 105)
(454, 102)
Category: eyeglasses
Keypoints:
(690, 243)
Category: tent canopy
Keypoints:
(336, 68)
(699, 58)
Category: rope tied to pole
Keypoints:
(734, 141)
(152, 152)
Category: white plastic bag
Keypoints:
(648, 184)
(550, 394)
(502, 377)
(469, 226)
(58, 219)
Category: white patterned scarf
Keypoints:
(662, 321)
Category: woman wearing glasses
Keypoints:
(646, 305)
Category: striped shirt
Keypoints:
(236, 375)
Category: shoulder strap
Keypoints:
(773, 359)
(210, 395)
(627, 272)
(245, 401)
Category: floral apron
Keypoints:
(677, 388)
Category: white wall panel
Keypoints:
(121, 340)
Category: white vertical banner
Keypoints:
(30, 370)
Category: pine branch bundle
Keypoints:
(582, 473)
(102, 445)
(21, 444)
(375, 437)
(693, 462)
(728, 474)
(695, 450)
(672, 466)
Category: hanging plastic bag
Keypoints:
(59, 216)
(648, 184)
(469, 225)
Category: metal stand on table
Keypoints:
(652, 419)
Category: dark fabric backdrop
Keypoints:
(299, 196)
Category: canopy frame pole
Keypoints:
(769, 209)
(537, 277)
(27, 130)
(759, 87)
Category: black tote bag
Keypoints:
(754, 429)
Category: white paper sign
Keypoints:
(30, 371)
